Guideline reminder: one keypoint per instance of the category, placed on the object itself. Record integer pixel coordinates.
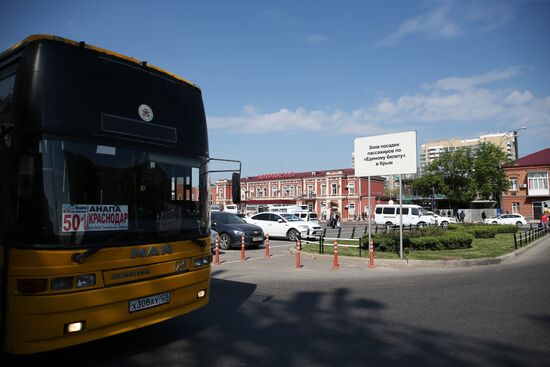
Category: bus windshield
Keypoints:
(93, 192)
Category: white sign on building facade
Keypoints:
(389, 154)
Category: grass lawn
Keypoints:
(481, 247)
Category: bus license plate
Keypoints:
(148, 302)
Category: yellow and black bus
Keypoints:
(104, 213)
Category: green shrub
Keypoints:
(387, 242)
(448, 241)
(457, 240)
(506, 228)
(426, 243)
(431, 239)
(483, 232)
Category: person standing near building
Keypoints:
(462, 215)
(543, 220)
(483, 215)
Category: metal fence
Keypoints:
(523, 238)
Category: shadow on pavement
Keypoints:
(242, 327)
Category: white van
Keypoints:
(231, 208)
(308, 216)
(301, 211)
(388, 215)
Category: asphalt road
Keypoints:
(265, 312)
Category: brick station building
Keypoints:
(528, 178)
(323, 191)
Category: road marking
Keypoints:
(252, 258)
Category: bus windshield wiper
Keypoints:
(81, 257)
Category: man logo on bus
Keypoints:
(145, 112)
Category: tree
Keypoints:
(466, 174)
(489, 177)
(453, 172)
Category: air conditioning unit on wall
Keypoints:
(523, 186)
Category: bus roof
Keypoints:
(38, 37)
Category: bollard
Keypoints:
(218, 250)
(371, 254)
(298, 255)
(336, 265)
(267, 245)
(242, 249)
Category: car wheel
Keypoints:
(444, 224)
(421, 224)
(389, 225)
(292, 234)
(225, 241)
(519, 224)
(495, 222)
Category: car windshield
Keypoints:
(227, 219)
(291, 217)
(423, 211)
(85, 193)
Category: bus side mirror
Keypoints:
(236, 187)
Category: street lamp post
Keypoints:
(515, 136)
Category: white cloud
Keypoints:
(457, 83)
(462, 101)
(317, 39)
(452, 20)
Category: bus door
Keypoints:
(7, 84)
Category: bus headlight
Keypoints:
(62, 283)
(74, 327)
(201, 261)
(86, 280)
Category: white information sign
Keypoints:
(83, 218)
(389, 154)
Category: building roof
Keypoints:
(308, 174)
(540, 158)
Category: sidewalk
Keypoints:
(405, 263)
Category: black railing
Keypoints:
(523, 238)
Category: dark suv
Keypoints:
(231, 229)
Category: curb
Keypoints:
(406, 263)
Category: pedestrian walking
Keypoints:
(483, 215)
(462, 215)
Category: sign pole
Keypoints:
(369, 210)
(400, 219)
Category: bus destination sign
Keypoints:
(83, 218)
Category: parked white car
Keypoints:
(516, 219)
(285, 225)
(441, 220)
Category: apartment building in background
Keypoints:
(432, 150)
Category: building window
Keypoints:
(323, 189)
(515, 208)
(292, 191)
(243, 194)
(264, 192)
(333, 189)
(258, 192)
(537, 182)
(311, 193)
(285, 191)
(274, 191)
(299, 190)
(351, 188)
(352, 208)
(513, 184)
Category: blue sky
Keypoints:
(289, 85)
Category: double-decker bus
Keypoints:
(104, 214)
